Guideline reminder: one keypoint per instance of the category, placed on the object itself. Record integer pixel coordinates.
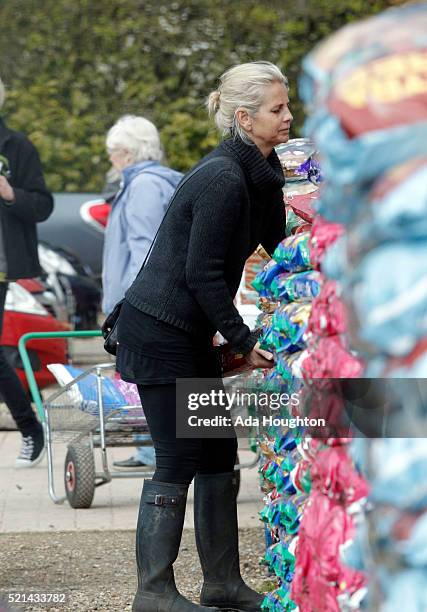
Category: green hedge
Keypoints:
(72, 67)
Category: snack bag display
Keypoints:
(330, 359)
(293, 155)
(369, 99)
(290, 322)
(389, 297)
(293, 221)
(304, 205)
(323, 235)
(328, 314)
(293, 253)
(296, 287)
(366, 91)
(266, 306)
(395, 207)
(290, 366)
(262, 281)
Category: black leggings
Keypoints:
(11, 387)
(179, 459)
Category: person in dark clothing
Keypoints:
(222, 210)
(24, 201)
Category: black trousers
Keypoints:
(11, 388)
(179, 459)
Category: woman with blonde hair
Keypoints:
(227, 205)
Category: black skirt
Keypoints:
(152, 352)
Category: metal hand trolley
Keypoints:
(88, 426)
(85, 427)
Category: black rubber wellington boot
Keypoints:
(158, 536)
(217, 539)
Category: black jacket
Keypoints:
(33, 203)
(213, 225)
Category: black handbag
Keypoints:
(109, 329)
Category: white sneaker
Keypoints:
(32, 450)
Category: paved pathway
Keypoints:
(26, 506)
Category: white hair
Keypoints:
(138, 136)
(2, 93)
(241, 86)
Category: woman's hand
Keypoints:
(258, 358)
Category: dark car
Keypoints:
(77, 225)
(76, 290)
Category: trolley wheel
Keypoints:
(79, 475)
(236, 479)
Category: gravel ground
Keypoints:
(97, 571)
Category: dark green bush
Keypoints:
(72, 67)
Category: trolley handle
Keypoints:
(29, 373)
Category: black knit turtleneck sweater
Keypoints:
(214, 223)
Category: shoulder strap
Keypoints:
(180, 185)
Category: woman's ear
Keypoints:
(244, 119)
(128, 158)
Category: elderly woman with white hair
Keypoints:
(135, 152)
(224, 208)
(134, 148)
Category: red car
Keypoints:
(24, 314)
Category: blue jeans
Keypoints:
(146, 454)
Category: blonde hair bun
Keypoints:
(213, 102)
(241, 86)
